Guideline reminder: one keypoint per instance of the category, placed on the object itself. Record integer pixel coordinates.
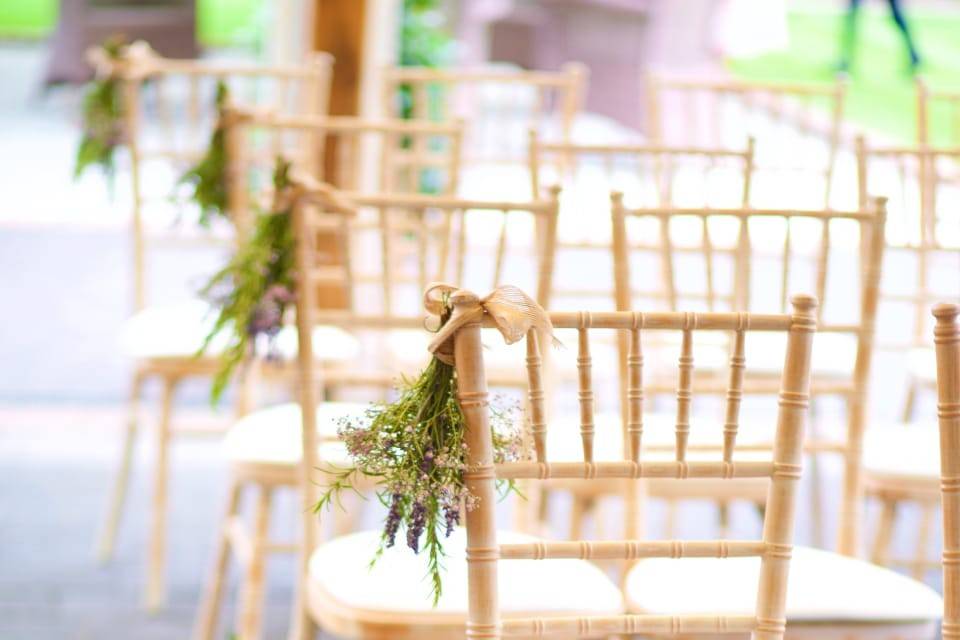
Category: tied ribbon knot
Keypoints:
(513, 312)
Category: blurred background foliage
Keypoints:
(881, 90)
(220, 23)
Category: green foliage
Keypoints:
(102, 120)
(880, 93)
(415, 449)
(208, 178)
(423, 43)
(256, 288)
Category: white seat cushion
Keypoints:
(340, 573)
(823, 586)
(170, 331)
(911, 452)
(178, 331)
(272, 435)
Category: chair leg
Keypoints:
(881, 545)
(156, 559)
(118, 496)
(250, 611)
(302, 625)
(911, 400)
(723, 518)
(578, 513)
(921, 551)
(670, 518)
(542, 514)
(207, 618)
(816, 502)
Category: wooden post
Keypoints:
(787, 458)
(307, 374)
(852, 506)
(947, 339)
(482, 551)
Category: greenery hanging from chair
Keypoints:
(414, 448)
(102, 116)
(256, 288)
(207, 179)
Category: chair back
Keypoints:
(170, 112)
(396, 244)
(783, 469)
(499, 104)
(753, 260)
(354, 155)
(947, 339)
(922, 187)
(650, 176)
(938, 116)
(797, 128)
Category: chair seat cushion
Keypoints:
(171, 331)
(272, 435)
(178, 331)
(341, 578)
(910, 452)
(823, 587)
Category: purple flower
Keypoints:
(279, 294)
(392, 523)
(451, 517)
(418, 520)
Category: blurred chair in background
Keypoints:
(169, 114)
(797, 128)
(922, 262)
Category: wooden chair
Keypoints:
(651, 176)
(937, 111)
(797, 128)
(752, 259)
(923, 251)
(500, 105)
(947, 339)
(168, 116)
(382, 292)
(530, 599)
(356, 155)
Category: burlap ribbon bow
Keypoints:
(514, 313)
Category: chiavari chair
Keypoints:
(500, 105)
(797, 128)
(355, 155)
(393, 245)
(947, 339)
(500, 585)
(651, 176)
(818, 251)
(922, 263)
(938, 116)
(752, 259)
(169, 114)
